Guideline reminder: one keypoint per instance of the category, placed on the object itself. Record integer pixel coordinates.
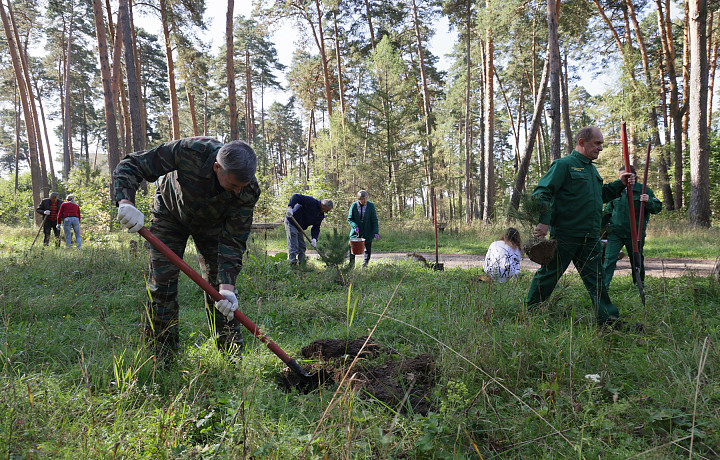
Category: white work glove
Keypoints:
(57, 226)
(47, 212)
(228, 305)
(130, 217)
(313, 243)
(289, 212)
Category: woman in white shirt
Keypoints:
(502, 260)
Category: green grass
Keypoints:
(75, 381)
(667, 236)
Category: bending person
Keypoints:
(207, 191)
(306, 211)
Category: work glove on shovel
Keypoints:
(228, 305)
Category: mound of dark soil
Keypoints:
(403, 384)
(337, 348)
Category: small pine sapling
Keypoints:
(333, 249)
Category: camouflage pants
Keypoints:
(161, 326)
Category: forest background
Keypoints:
(368, 107)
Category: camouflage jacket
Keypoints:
(189, 194)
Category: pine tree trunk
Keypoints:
(22, 52)
(488, 153)
(565, 103)
(138, 136)
(713, 47)
(341, 87)
(174, 116)
(323, 58)
(467, 125)
(699, 207)
(113, 149)
(67, 133)
(676, 112)
(427, 110)
(141, 103)
(553, 7)
(32, 149)
(249, 106)
(191, 107)
(529, 146)
(53, 185)
(230, 69)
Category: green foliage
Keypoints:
(506, 382)
(714, 172)
(16, 207)
(92, 193)
(530, 210)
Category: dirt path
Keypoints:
(666, 267)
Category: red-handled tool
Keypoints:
(207, 287)
(633, 227)
(641, 221)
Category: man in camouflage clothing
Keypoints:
(206, 190)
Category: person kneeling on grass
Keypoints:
(502, 260)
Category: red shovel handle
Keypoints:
(631, 202)
(641, 219)
(212, 292)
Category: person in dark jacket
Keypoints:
(69, 218)
(49, 208)
(207, 191)
(363, 224)
(574, 193)
(617, 217)
(306, 211)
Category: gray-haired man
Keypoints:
(206, 190)
(49, 208)
(306, 211)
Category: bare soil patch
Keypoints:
(401, 383)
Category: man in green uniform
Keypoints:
(206, 190)
(574, 192)
(617, 216)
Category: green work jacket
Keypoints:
(368, 225)
(575, 193)
(617, 214)
(188, 193)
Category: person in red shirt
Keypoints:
(49, 208)
(69, 216)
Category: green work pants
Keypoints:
(612, 250)
(586, 255)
